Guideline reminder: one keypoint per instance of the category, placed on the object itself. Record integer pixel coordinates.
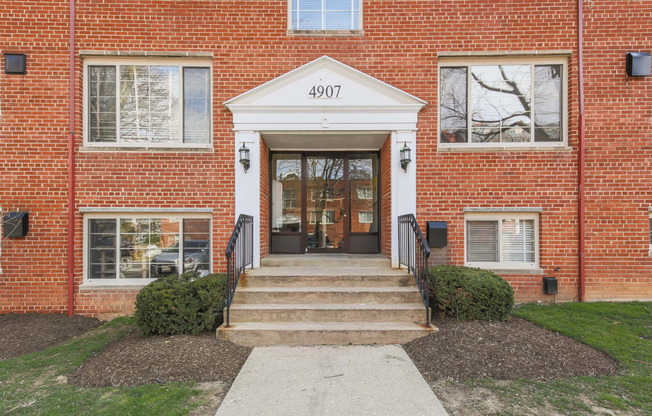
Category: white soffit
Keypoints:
(325, 141)
(325, 95)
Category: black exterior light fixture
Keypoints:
(406, 157)
(244, 157)
(15, 63)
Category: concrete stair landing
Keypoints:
(325, 299)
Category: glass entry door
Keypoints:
(326, 203)
(323, 203)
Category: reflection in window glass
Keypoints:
(134, 104)
(147, 248)
(363, 174)
(286, 192)
(505, 104)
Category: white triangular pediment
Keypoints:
(325, 84)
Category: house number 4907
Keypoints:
(325, 91)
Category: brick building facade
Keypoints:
(487, 96)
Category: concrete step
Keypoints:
(257, 295)
(328, 312)
(325, 261)
(272, 277)
(322, 333)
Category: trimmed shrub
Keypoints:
(468, 293)
(180, 304)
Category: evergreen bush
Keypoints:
(180, 304)
(468, 293)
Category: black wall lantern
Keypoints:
(406, 157)
(15, 63)
(244, 157)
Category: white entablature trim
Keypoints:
(325, 95)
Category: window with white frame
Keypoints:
(326, 216)
(501, 102)
(325, 14)
(142, 247)
(289, 198)
(502, 241)
(147, 103)
(365, 217)
(321, 194)
(365, 192)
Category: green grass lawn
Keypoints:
(29, 384)
(622, 330)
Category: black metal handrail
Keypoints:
(413, 252)
(239, 254)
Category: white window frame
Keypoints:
(360, 215)
(469, 62)
(315, 194)
(365, 192)
(290, 197)
(87, 281)
(291, 30)
(113, 61)
(313, 216)
(499, 217)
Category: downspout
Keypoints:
(581, 134)
(71, 166)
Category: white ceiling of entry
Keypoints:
(326, 141)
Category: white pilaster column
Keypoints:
(247, 184)
(404, 184)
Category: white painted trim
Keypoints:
(372, 106)
(320, 63)
(404, 184)
(497, 215)
(503, 209)
(247, 184)
(481, 54)
(145, 213)
(145, 210)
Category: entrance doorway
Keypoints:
(324, 202)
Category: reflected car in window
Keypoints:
(196, 257)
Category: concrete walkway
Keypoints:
(326, 380)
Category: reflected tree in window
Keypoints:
(501, 103)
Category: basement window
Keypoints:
(143, 248)
(502, 240)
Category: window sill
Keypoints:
(502, 272)
(91, 149)
(466, 148)
(117, 285)
(325, 32)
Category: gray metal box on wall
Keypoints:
(437, 233)
(15, 224)
(639, 64)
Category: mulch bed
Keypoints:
(24, 333)
(135, 360)
(503, 351)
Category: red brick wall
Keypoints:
(264, 199)
(386, 198)
(33, 155)
(250, 46)
(618, 152)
